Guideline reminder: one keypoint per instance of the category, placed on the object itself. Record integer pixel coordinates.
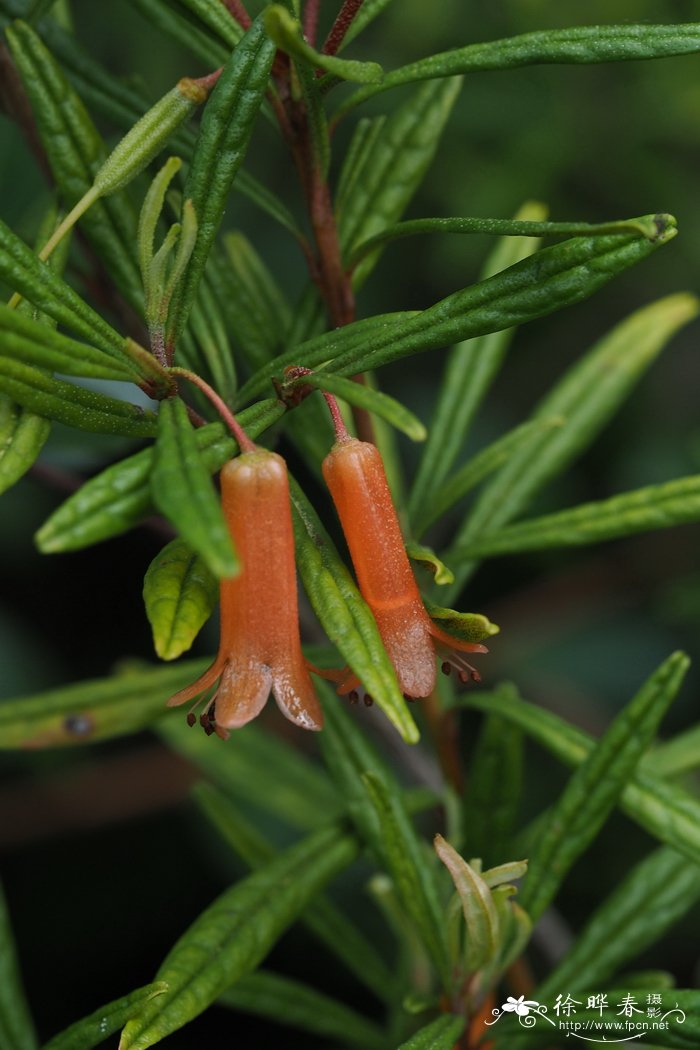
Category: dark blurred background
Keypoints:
(104, 860)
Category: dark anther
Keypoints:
(463, 677)
(353, 696)
(209, 729)
(204, 721)
(446, 667)
(476, 677)
(368, 700)
(191, 719)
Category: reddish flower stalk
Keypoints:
(355, 475)
(238, 11)
(260, 644)
(341, 25)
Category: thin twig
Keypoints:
(341, 25)
(236, 9)
(311, 20)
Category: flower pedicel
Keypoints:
(260, 644)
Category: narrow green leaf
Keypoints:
(75, 151)
(595, 787)
(256, 311)
(429, 560)
(344, 615)
(183, 491)
(479, 467)
(22, 437)
(480, 915)
(73, 405)
(16, 1027)
(234, 934)
(655, 895)
(37, 282)
(328, 924)
(225, 131)
(587, 397)
(391, 169)
(415, 880)
(210, 328)
(441, 1034)
(492, 803)
(167, 18)
(469, 372)
(25, 340)
(93, 1030)
(369, 10)
(217, 18)
(500, 228)
(654, 507)
(149, 216)
(267, 201)
(243, 773)
(287, 35)
(668, 812)
(120, 496)
(674, 757)
(93, 710)
(577, 45)
(372, 400)
(362, 142)
(469, 627)
(180, 594)
(292, 1003)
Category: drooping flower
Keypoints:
(355, 475)
(260, 645)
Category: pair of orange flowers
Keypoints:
(260, 645)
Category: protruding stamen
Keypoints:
(369, 700)
(191, 718)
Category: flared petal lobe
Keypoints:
(355, 475)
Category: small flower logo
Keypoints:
(520, 1006)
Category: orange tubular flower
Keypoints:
(354, 473)
(260, 645)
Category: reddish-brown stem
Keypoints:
(244, 442)
(237, 9)
(341, 431)
(311, 20)
(207, 82)
(340, 26)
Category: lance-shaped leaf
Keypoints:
(587, 397)
(390, 168)
(415, 880)
(73, 405)
(180, 594)
(344, 614)
(94, 1029)
(287, 35)
(223, 139)
(168, 18)
(480, 915)
(676, 756)
(16, 1027)
(183, 491)
(328, 924)
(75, 150)
(577, 45)
(655, 894)
(292, 1003)
(235, 933)
(668, 812)
(595, 787)
(26, 340)
(654, 507)
(94, 710)
(441, 1034)
(428, 559)
(469, 371)
(217, 18)
(37, 282)
(371, 400)
(479, 467)
(468, 627)
(120, 496)
(492, 802)
(22, 437)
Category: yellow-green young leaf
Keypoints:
(371, 400)
(596, 785)
(233, 935)
(429, 560)
(294, 1004)
(483, 928)
(183, 491)
(286, 33)
(655, 507)
(676, 756)
(150, 214)
(16, 1027)
(666, 811)
(94, 710)
(22, 437)
(469, 627)
(345, 616)
(94, 1029)
(441, 1034)
(180, 594)
(470, 370)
